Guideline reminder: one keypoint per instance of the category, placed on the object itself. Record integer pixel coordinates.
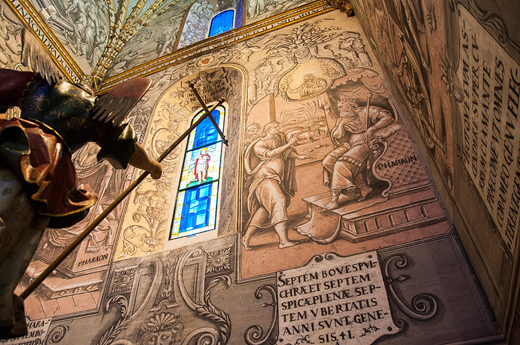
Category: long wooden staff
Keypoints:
(203, 105)
(36, 282)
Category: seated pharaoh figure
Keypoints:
(346, 167)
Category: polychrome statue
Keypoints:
(38, 183)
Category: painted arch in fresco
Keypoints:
(148, 218)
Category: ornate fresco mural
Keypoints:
(261, 9)
(81, 26)
(455, 66)
(149, 43)
(409, 33)
(328, 228)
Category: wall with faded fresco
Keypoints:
(455, 68)
(328, 228)
(80, 26)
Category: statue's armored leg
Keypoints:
(20, 232)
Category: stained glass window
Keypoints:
(222, 22)
(196, 205)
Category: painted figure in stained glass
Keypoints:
(201, 166)
(196, 206)
(270, 175)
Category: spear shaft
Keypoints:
(205, 107)
(52, 266)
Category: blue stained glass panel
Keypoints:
(221, 22)
(206, 133)
(197, 198)
(195, 210)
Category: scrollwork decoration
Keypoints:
(128, 312)
(492, 21)
(121, 324)
(166, 296)
(423, 307)
(379, 147)
(320, 257)
(254, 335)
(57, 334)
(208, 311)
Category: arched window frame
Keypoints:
(175, 225)
(217, 14)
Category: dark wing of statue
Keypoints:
(12, 87)
(35, 57)
(115, 104)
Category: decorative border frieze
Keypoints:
(209, 45)
(30, 17)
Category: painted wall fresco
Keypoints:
(381, 264)
(408, 33)
(187, 295)
(153, 41)
(81, 26)
(262, 9)
(312, 91)
(461, 60)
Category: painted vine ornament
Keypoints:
(38, 181)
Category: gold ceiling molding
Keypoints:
(32, 19)
(222, 41)
(123, 27)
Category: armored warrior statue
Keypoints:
(38, 183)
